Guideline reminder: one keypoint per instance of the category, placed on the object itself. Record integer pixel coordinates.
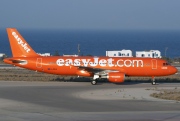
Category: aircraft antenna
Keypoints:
(79, 49)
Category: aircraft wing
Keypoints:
(96, 70)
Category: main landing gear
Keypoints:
(153, 81)
(94, 82)
(95, 79)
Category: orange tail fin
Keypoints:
(19, 46)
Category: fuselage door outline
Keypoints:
(39, 63)
(154, 63)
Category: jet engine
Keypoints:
(116, 77)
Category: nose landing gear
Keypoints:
(153, 81)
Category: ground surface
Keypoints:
(80, 101)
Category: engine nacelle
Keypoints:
(116, 77)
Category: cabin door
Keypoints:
(39, 63)
(154, 63)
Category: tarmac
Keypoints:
(81, 101)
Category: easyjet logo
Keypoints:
(100, 62)
(20, 42)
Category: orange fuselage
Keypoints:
(70, 65)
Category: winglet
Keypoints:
(19, 46)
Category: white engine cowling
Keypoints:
(116, 77)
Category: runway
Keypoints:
(80, 101)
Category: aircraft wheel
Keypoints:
(153, 83)
(94, 82)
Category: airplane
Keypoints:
(115, 69)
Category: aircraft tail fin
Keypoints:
(19, 46)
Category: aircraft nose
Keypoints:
(174, 70)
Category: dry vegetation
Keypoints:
(168, 94)
(19, 74)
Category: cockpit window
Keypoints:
(165, 64)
